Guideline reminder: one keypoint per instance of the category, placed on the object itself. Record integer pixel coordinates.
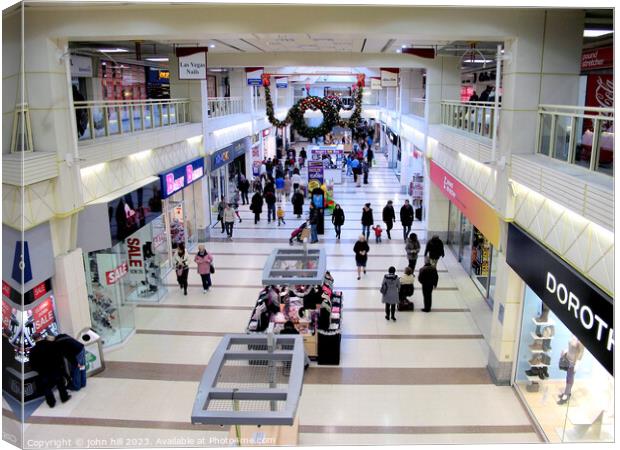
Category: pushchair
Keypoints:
(298, 233)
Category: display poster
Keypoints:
(109, 262)
(135, 259)
(180, 177)
(192, 66)
(282, 82)
(114, 275)
(256, 168)
(43, 315)
(375, 84)
(254, 76)
(479, 213)
(389, 77)
(81, 66)
(597, 58)
(583, 308)
(159, 240)
(315, 171)
(6, 316)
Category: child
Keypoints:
(378, 230)
(280, 214)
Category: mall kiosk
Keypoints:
(298, 288)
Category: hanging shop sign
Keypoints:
(180, 177)
(224, 156)
(254, 76)
(81, 66)
(192, 63)
(473, 207)
(597, 58)
(375, 83)
(282, 82)
(389, 77)
(586, 310)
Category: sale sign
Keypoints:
(112, 276)
(473, 207)
(43, 315)
(6, 315)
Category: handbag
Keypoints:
(211, 268)
(179, 271)
(564, 363)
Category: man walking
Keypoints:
(367, 220)
(406, 218)
(434, 250)
(314, 221)
(270, 199)
(389, 217)
(428, 278)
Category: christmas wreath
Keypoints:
(328, 106)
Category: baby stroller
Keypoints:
(298, 233)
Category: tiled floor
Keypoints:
(419, 380)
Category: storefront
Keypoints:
(564, 369)
(226, 166)
(473, 230)
(413, 170)
(393, 150)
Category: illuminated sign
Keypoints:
(181, 177)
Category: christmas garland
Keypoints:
(329, 106)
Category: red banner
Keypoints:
(6, 289)
(6, 315)
(597, 58)
(39, 290)
(43, 315)
(600, 91)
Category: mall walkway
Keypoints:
(421, 379)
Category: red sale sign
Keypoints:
(39, 290)
(6, 315)
(6, 289)
(43, 315)
(113, 276)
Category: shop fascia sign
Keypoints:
(282, 82)
(597, 58)
(375, 83)
(227, 154)
(192, 63)
(585, 310)
(389, 77)
(254, 76)
(180, 177)
(81, 66)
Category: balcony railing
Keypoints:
(473, 117)
(97, 119)
(225, 106)
(416, 106)
(577, 135)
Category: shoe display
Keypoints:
(537, 345)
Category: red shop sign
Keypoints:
(113, 276)
(597, 58)
(6, 289)
(39, 290)
(43, 315)
(6, 315)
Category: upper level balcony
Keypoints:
(473, 117)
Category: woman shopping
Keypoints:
(361, 250)
(338, 219)
(181, 266)
(390, 288)
(204, 261)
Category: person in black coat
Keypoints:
(73, 351)
(367, 220)
(434, 250)
(361, 250)
(257, 206)
(244, 187)
(369, 156)
(389, 217)
(313, 220)
(338, 220)
(47, 360)
(270, 199)
(428, 278)
(298, 203)
(406, 218)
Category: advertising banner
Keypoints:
(597, 58)
(43, 315)
(135, 259)
(254, 76)
(192, 63)
(586, 311)
(473, 207)
(315, 171)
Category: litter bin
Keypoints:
(94, 351)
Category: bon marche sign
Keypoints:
(585, 310)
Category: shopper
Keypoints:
(406, 218)
(298, 203)
(370, 154)
(73, 352)
(204, 261)
(244, 187)
(257, 206)
(181, 266)
(288, 184)
(235, 204)
(289, 328)
(296, 180)
(484, 97)
(302, 156)
(389, 217)
(355, 168)
(313, 219)
(412, 248)
(428, 278)
(220, 213)
(46, 359)
(280, 214)
(365, 170)
(229, 220)
(367, 220)
(406, 286)
(361, 250)
(378, 231)
(473, 97)
(338, 220)
(434, 250)
(390, 288)
(280, 187)
(348, 161)
(270, 199)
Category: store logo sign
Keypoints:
(182, 176)
(581, 312)
(448, 187)
(174, 184)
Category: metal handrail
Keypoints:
(224, 106)
(474, 117)
(105, 118)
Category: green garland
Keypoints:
(331, 117)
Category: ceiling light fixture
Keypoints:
(211, 45)
(399, 51)
(158, 59)
(113, 50)
(403, 46)
(596, 33)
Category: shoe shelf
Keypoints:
(535, 336)
(537, 323)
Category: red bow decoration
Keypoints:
(361, 79)
(266, 79)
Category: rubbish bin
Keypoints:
(94, 351)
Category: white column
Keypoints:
(437, 209)
(443, 82)
(194, 90)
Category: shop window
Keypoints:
(572, 400)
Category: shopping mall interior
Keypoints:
(407, 214)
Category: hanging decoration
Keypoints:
(329, 106)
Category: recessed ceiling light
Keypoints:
(398, 51)
(113, 50)
(158, 59)
(211, 45)
(403, 46)
(596, 33)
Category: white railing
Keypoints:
(96, 119)
(225, 106)
(473, 117)
(578, 135)
(416, 106)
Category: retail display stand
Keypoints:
(253, 381)
(295, 266)
(539, 349)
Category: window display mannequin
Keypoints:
(574, 353)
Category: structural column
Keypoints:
(443, 82)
